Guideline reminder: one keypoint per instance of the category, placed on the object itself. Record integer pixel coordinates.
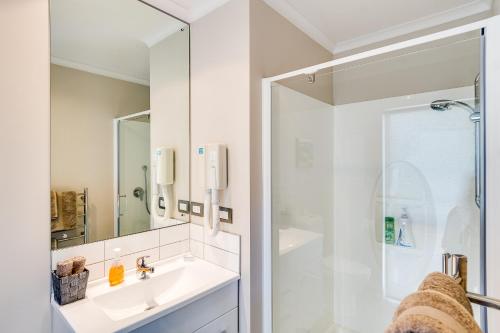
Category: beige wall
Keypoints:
(447, 64)
(83, 106)
(232, 48)
(169, 77)
(24, 147)
(220, 113)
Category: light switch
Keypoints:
(197, 209)
(183, 206)
(226, 215)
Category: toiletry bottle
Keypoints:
(117, 270)
(405, 234)
(389, 230)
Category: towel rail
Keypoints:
(459, 272)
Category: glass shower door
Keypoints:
(373, 178)
(133, 170)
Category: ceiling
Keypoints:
(187, 10)
(344, 25)
(110, 38)
(92, 35)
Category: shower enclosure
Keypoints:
(132, 172)
(374, 166)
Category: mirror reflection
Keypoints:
(119, 120)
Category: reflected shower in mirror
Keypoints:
(119, 92)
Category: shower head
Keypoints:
(441, 105)
(145, 167)
(446, 104)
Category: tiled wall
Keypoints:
(222, 250)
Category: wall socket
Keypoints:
(226, 214)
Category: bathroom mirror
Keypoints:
(119, 120)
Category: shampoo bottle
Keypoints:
(117, 270)
(389, 231)
(405, 234)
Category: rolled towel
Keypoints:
(68, 209)
(53, 205)
(78, 264)
(64, 268)
(430, 311)
(447, 285)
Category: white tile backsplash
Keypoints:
(96, 271)
(174, 234)
(224, 241)
(196, 248)
(132, 243)
(228, 260)
(196, 232)
(93, 253)
(129, 260)
(222, 250)
(174, 249)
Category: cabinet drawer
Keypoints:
(228, 323)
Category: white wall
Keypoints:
(425, 160)
(220, 113)
(232, 49)
(169, 79)
(24, 147)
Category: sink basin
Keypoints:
(139, 297)
(175, 283)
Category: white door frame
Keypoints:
(491, 93)
(116, 181)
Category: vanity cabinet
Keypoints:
(216, 312)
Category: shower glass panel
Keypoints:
(134, 187)
(370, 185)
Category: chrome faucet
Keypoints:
(142, 269)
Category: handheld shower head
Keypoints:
(441, 105)
(446, 104)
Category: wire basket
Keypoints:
(70, 288)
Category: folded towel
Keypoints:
(64, 268)
(53, 205)
(430, 311)
(447, 285)
(68, 209)
(78, 264)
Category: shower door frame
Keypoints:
(490, 93)
(116, 170)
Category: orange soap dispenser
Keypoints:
(117, 270)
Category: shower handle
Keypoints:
(477, 164)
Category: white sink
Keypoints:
(134, 303)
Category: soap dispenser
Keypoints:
(405, 234)
(117, 270)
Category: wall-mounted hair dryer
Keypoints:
(215, 180)
(164, 180)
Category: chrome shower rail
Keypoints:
(459, 272)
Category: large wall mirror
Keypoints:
(119, 120)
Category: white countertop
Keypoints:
(185, 281)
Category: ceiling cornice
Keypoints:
(187, 13)
(98, 71)
(476, 7)
(286, 10)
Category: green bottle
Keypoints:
(390, 234)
